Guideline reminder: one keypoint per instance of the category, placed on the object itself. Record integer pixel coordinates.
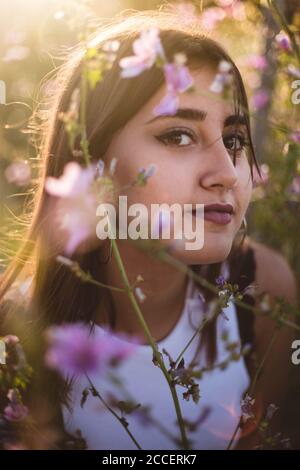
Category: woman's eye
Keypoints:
(235, 142)
(178, 137)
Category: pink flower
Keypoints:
(295, 137)
(260, 99)
(19, 173)
(75, 211)
(77, 217)
(178, 80)
(75, 350)
(15, 411)
(146, 49)
(74, 180)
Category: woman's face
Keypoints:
(194, 159)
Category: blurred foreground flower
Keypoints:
(74, 350)
(19, 173)
(73, 181)
(222, 78)
(76, 209)
(178, 80)
(146, 49)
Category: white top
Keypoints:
(220, 390)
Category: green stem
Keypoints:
(147, 332)
(96, 392)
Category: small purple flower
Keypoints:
(168, 105)
(178, 80)
(220, 281)
(145, 174)
(283, 41)
(260, 99)
(74, 350)
(247, 408)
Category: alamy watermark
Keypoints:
(296, 93)
(187, 224)
(2, 352)
(2, 92)
(296, 354)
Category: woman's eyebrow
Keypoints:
(191, 114)
(235, 119)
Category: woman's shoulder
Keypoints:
(273, 274)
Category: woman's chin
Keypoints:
(210, 253)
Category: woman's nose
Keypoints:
(218, 167)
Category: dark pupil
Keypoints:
(176, 137)
(234, 143)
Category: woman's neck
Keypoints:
(163, 286)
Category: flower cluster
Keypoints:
(148, 50)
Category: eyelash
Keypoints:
(164, 138)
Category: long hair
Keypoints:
(58, 296)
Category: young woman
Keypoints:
(203, 154)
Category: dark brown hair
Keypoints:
(58, 295)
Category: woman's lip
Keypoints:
(220, 218)
(219, 207)
(217, 217)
